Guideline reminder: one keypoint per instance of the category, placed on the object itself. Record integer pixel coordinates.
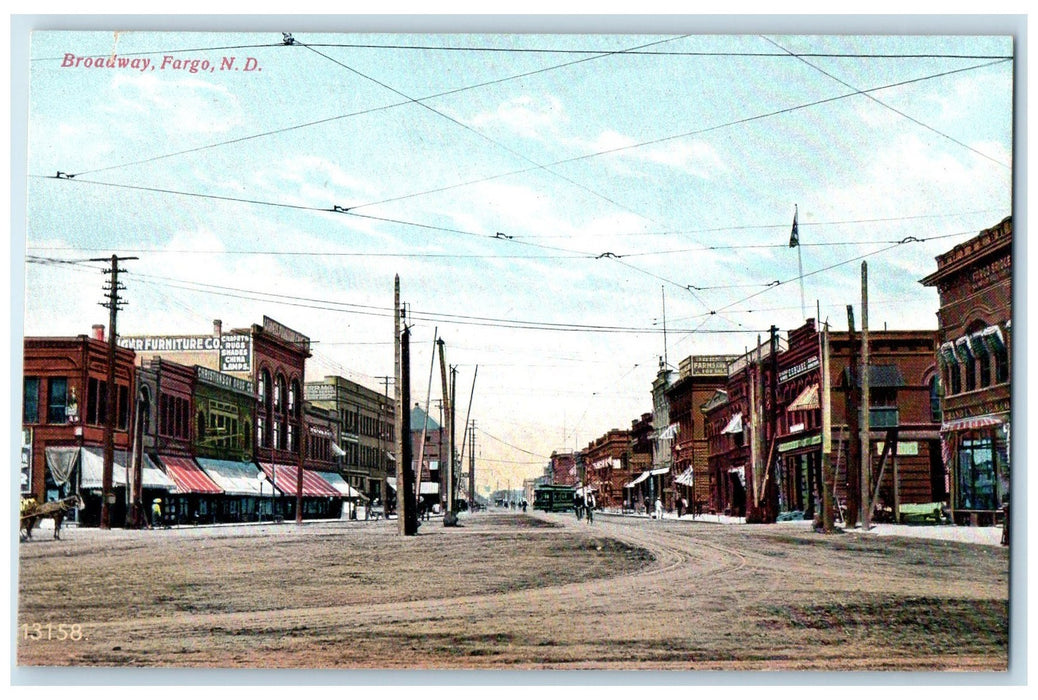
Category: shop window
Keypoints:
(976, 478)
(57, 399)
(31, 400)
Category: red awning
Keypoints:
(971, 423)
(285, 480)
(187, 476)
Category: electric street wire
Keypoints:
(884, 104)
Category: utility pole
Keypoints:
(853, 480)
(301, 447)
(407, 523)
(771, 493)
(446, 403)
(451, 476)
(113, 305)
(407, 513)
(472, 465)
(382, 433)
(866, 457)
(827, 439)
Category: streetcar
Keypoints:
(553, 498)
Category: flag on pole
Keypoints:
(794, 237)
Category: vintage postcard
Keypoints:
(659, 349)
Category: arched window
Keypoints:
(279, 395)
(293, 394)
(264, 391)
(935, 400)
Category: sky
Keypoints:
(550, 202)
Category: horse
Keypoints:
(32, 514)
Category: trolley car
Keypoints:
(553, 498)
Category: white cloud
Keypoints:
(526, 116)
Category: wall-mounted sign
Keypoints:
(26, 460)
(235, 353)
(798, 369)
(279, 330)
(211, 376)
(170, 343)
(909, 449)
(319, 392)
(708, 365)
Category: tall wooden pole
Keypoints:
(866, 456)
(447, 404)
(407, 512)
(111, 418)
(827, 437)
(853, 480)
(451, 480)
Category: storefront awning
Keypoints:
(186, 475)
(340, 484)
(336, 450)
(285, 479)
(428, 488)
(734, 425)
(658, 472)
(806, 401)
(92, 463)
(685, 478)
(971, 423)
(234, 478)
(641, 477)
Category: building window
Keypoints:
(976, 478)
(261, 434)
(31, 400)
(124, 407)
(57, 399)
(935, 401)
(954, 378)
(279, 395)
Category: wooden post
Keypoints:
(866, 456)
(827, 436)
(853, 481)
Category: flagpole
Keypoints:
(800, 265)
(794, 242)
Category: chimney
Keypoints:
(217, 327)
(98, 331)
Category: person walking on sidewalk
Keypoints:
(590, 506)
(659, 509)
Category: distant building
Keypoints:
(563, 468)
(366, 419)
(975, 284)
(699, 377)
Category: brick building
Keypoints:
(975, 284)
(563, 468)
(904, 430)
(699, 377)
(64, 401)
(606, 467)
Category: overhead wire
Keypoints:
(889, 107)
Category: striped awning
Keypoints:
(734, 425)
(807, 400)
(284, 477)
(235, 478)
(685, 478)
(971, 423)
(93, 466)
(344, 488)
(187, 476)
(641, 477)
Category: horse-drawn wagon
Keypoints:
(32, 513)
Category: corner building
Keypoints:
(975, 284)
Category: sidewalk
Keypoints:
(991, 536)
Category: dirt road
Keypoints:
(512, 591)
